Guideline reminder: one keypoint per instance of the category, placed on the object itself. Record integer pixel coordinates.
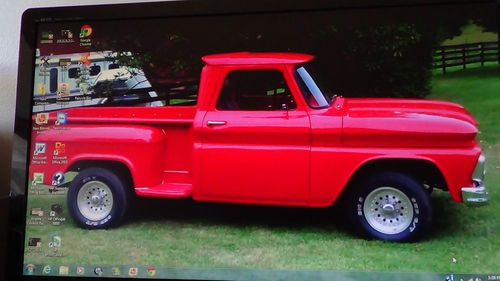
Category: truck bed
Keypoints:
(173, 124)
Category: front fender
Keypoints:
(333, 168)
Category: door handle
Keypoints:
(216, 123)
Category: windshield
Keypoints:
(314, 96)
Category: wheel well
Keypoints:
(115, 166)
(423, 170)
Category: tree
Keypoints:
(364, 52)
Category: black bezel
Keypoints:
(32, 17)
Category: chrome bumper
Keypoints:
(475, 196)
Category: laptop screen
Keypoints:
(236, 146)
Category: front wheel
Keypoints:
(392, 207)
(97, 198)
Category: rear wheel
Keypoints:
(97, 198)
(391, 206)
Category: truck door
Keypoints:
(255, 141)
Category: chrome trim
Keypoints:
(480, 169)
(215, 123)
(475, 196)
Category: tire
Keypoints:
(391, 206)
(97, 199)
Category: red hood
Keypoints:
(407, 122)
(398, 107)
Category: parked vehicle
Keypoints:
(263, 132)
(122, 84)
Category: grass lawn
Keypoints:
(472, 33)
(185, 233)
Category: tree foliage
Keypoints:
(370, 52)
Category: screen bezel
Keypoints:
(32, 17)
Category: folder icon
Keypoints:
(41, 89)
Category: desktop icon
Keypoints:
(85, 31)
(63, 270)
(66, 34)
(133, 271)
(115, 271)
(55, 210)
(84, 59)
(42, 119)
(38, 178)
(58, 178)
(47, 35)
(62, 118)
(47, 269)
(35, 242)
(55, 241)
(98, 271)
(151, 272)
(84, 88)
(39, 148)
(37, 212)
(59, 148)
(29, 269)
(64, 62)
(80, 270)
(63, 89)
(41, 89)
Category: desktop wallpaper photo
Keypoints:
(422, 52)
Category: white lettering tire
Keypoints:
(97, 198)
(390, 206)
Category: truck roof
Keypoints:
(256, 58)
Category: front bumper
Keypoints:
(475, 196)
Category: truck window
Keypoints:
(255, 90)
(94, 70)
(312, 91)
(73, 72)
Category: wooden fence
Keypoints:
(464, 54)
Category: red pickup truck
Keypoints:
(264, 132)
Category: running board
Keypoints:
(168, 190)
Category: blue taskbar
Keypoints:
(241, 274)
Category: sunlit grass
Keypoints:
(472, 33)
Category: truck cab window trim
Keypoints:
(311, 92)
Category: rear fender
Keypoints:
(139, 148)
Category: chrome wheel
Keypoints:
(95, 200)
(388, 210)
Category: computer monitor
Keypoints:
(225, 140)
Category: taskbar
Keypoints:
(150, 272)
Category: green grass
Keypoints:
(478, 89)
(472, 33)
(188, 234)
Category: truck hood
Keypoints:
(407, 123)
